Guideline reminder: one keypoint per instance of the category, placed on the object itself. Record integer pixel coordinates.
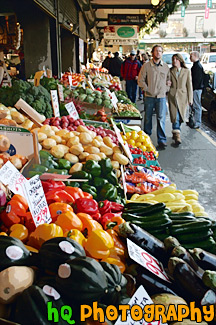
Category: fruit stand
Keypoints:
(89, 218)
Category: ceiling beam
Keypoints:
(101, 19)
(141, 6)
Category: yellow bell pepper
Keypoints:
(98, 244)
(19, 231)
(76, 235)
(31, 249)
(3, 233)
(43, 233)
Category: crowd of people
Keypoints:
(155, 81)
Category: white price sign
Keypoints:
(55, 102)
(141, 299)
(60, 93)
(124, 146)
(114, 100)
(70, 80)
(11, 177)
(36, 199)
(145, 259)
(72, 110)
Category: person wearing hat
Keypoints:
(129, 71)
(115, 65)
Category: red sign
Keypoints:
(206, 10)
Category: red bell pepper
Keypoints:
(105, 218)
(88, 206)
(52, 185)
(59, 196)
(116, 207)
(75, 192)
(104, 207)
(96, 216)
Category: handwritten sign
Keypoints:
(114, 100)
(60, 92)
(140, 298)
(11, 177)
(70, 81)
(72, 110)
(145, 259)
(55, 102)
(37, 201)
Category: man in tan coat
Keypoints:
(180, 94)
(154, 80)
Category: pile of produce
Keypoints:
(38, 97)
(77, 78)
(11, 117)
(123, 98)
(127, 110)
(52, 84)
(100, 115)
(100, 98)
(140, 140)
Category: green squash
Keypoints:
(57, 251)
(117, 290)
(13, 253)
(83, 280)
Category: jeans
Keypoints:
(161, 108)
(197, 107)
(177, 124)
(140, 92)
(131, 89)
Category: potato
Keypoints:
(115, 164)
(57, 138)
(18, 117)
(76, 149)
(118, 173)
(6, 121)
(107, 150)
(47, 130)
(76, 133)
(17, 162)
(65, 148)
(116, 149)
(54, 128)
(85, 138)
(82, 128)
(57, 151)
(102, 155)
(93, 157)
(92, 134)
(4, 143)
(63, 142)
(67, 136)
(27, 124)
(99, 138)
(48, 143)
(62, 132)
(96, 143)
(76, 168)
(83, 156)
(120, 158)
(35, 129)
(72, 158)
(41, 136)
(108, 142)
(72, 141)
(91, 149)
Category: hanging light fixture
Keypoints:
(155, 2)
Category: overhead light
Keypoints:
(155, 2)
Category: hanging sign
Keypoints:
(11, 177)
(70, 107)
(209, 4)
(206, 10)
(182, 10)
(55, 102)
(60, 92)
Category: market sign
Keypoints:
(121, 32)
(209, 3)
(114, 19)
(109, 42)
(182, 10)
(206, 10)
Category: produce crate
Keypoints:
(148, 162)
(128, 120)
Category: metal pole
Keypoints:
(58, 39)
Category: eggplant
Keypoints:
(144, 240)
(204, 259)
(170, 243)
(182, 253)
(152, 283)
(209, 279)
(189, 284)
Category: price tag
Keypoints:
(70, 81)
(44, 69)
(114, 100)
(36, 199)
(140, 298)
(55, 102)
(11, 177)
(83, 85)
(145, 259)
(32, 114)
(72, 110)
(60, 92)
(124, 146)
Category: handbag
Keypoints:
(191, 122)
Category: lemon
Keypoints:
(141, 138)
(124, 137)
(128, 135)
(138, 144)
(134, 135)
(141, 132)
(143, 147)
(131, 142)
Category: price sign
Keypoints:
(83, 85)
(114, 100)
(32, 114)
(55, 102)
(11, 177)
(124, 146)
(70, 81)
(145, 259)
(140, 298)
(44, 69)
(60, 93)
(72, 110)
(206, 10)
(37, 201)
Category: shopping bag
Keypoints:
(191, 122)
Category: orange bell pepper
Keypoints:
(89, 224)
(31, 249)
(87, 195)
(43, 233)
(58, 208)
(13, 212)
(115, 261)
(69, 220)
(20, 199)
(76, 235)
(117, 240)
(114, 222)
(98, 244)
(3, 233)
(19, 231)
(75, 192)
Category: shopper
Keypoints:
(180, 94)
(198, 85)
(115, 65)
(144, 59)
(154, 79)
(129, 71)
(106, 62)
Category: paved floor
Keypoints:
(193, 164)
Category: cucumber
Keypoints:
(150, 218)
(190, 227)
(195, 236)
(168, 211)
(182, 214)
(186, 218)
(147, 210)
(204, 244)
(133, 205)
(155, 224)
(181, 222)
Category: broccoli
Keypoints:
(29, 99)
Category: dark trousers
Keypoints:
(131, 89)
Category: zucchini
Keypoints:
(132, 217)
(161, 236)
(148, 210)
(165, 221)
(193, 237)
(190, 227)
(168, 211)
(156, 232)
(182, 214)
(205, 244)
(186, 218)
(181, 222)
(134, 205)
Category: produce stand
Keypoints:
(87, 218)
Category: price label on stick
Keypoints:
(11, 177)
(70, 81)
(114, 100)
(145, 259)
(70, 107)
(124, 146)
(55, 102)
(60, 93)
(37, 201)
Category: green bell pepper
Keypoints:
(72, 184)
(92, 167)
(111, 177)
(108, 192)
(45, 154)
(33, 173)
(99, 182)
(81, 175)
(64, 164)
(58, 171)
(49, 163)
(106, 166)
(39, 168)
(89, 189)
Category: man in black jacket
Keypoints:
(106, 62)
(198, 85)
(115, 65)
